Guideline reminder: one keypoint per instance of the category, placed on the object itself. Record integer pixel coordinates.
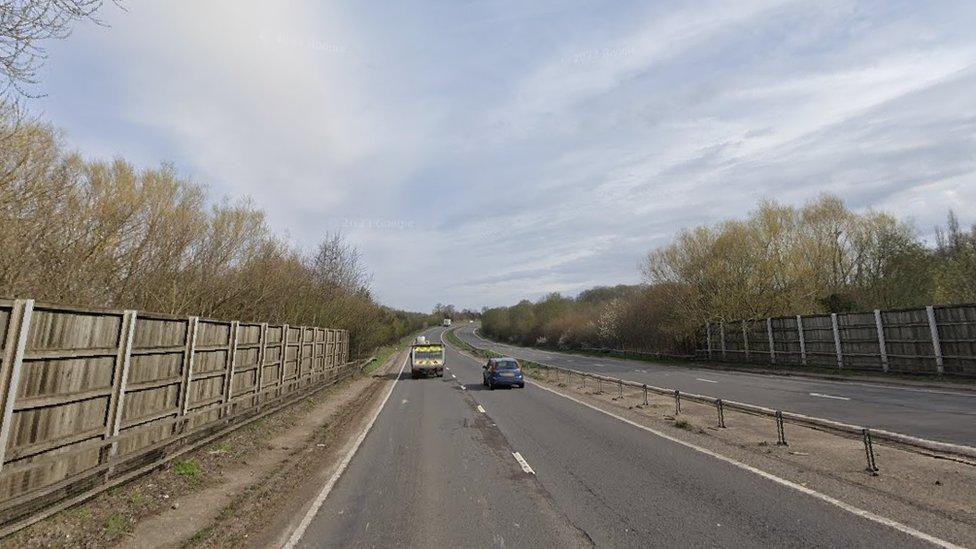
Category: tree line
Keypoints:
(821, 257)
(106, 234)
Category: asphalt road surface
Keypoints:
(946, 415)
(438, 469)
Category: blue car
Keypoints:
(502, 372)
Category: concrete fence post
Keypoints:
(262, 352)
(745, 338)
(192, 324)
(772, 342)
(837, 346)
(231, 365)
(882, 346)
(120, 376)
(284, 359)
(803, 344)
(936, 343)
(13, 360)
(721, 334)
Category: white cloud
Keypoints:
(529, 149)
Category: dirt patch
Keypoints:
(932, 494)
(195, 500)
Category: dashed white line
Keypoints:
(523, 463)
(820, 395)
(454, 376)
(705, 380)
(481, 409)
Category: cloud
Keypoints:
(483, 152)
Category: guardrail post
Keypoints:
(708, 338)
(677, 402)
(720, 408)
(120, 374)
(837, 347)
(721, 334)
(780, 431)
(772, 342)
(645, 394)
(620, 388)
(803, 345)
(191, 345)
(882, 346)
(936, 343)
(869, 452)
(13, 360)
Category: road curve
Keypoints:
(438, 469)
(936, 414)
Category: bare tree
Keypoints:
(24, 27)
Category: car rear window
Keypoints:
(506, 365)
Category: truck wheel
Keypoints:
(414, 374)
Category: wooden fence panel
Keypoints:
(909, 342)
(818, 334)
(786, 340)
(155, 377)
(63, 395)
(859, 341)
(957, 337)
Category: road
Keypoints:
(945, 415)
(438, 470)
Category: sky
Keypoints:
(481, 152)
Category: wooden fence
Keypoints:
(936, 340)
(89, 396)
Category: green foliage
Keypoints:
(189, 469)
(114, 525)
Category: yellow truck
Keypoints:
(426, 358)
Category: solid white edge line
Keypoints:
(769, 476)
(296, 536)
(523, 463)
(705, 380)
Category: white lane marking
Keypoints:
(296, 536)
(454, 376)
(705, 380)
(481, 409)
(523, 463)
(820, 395)
(781, 481)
